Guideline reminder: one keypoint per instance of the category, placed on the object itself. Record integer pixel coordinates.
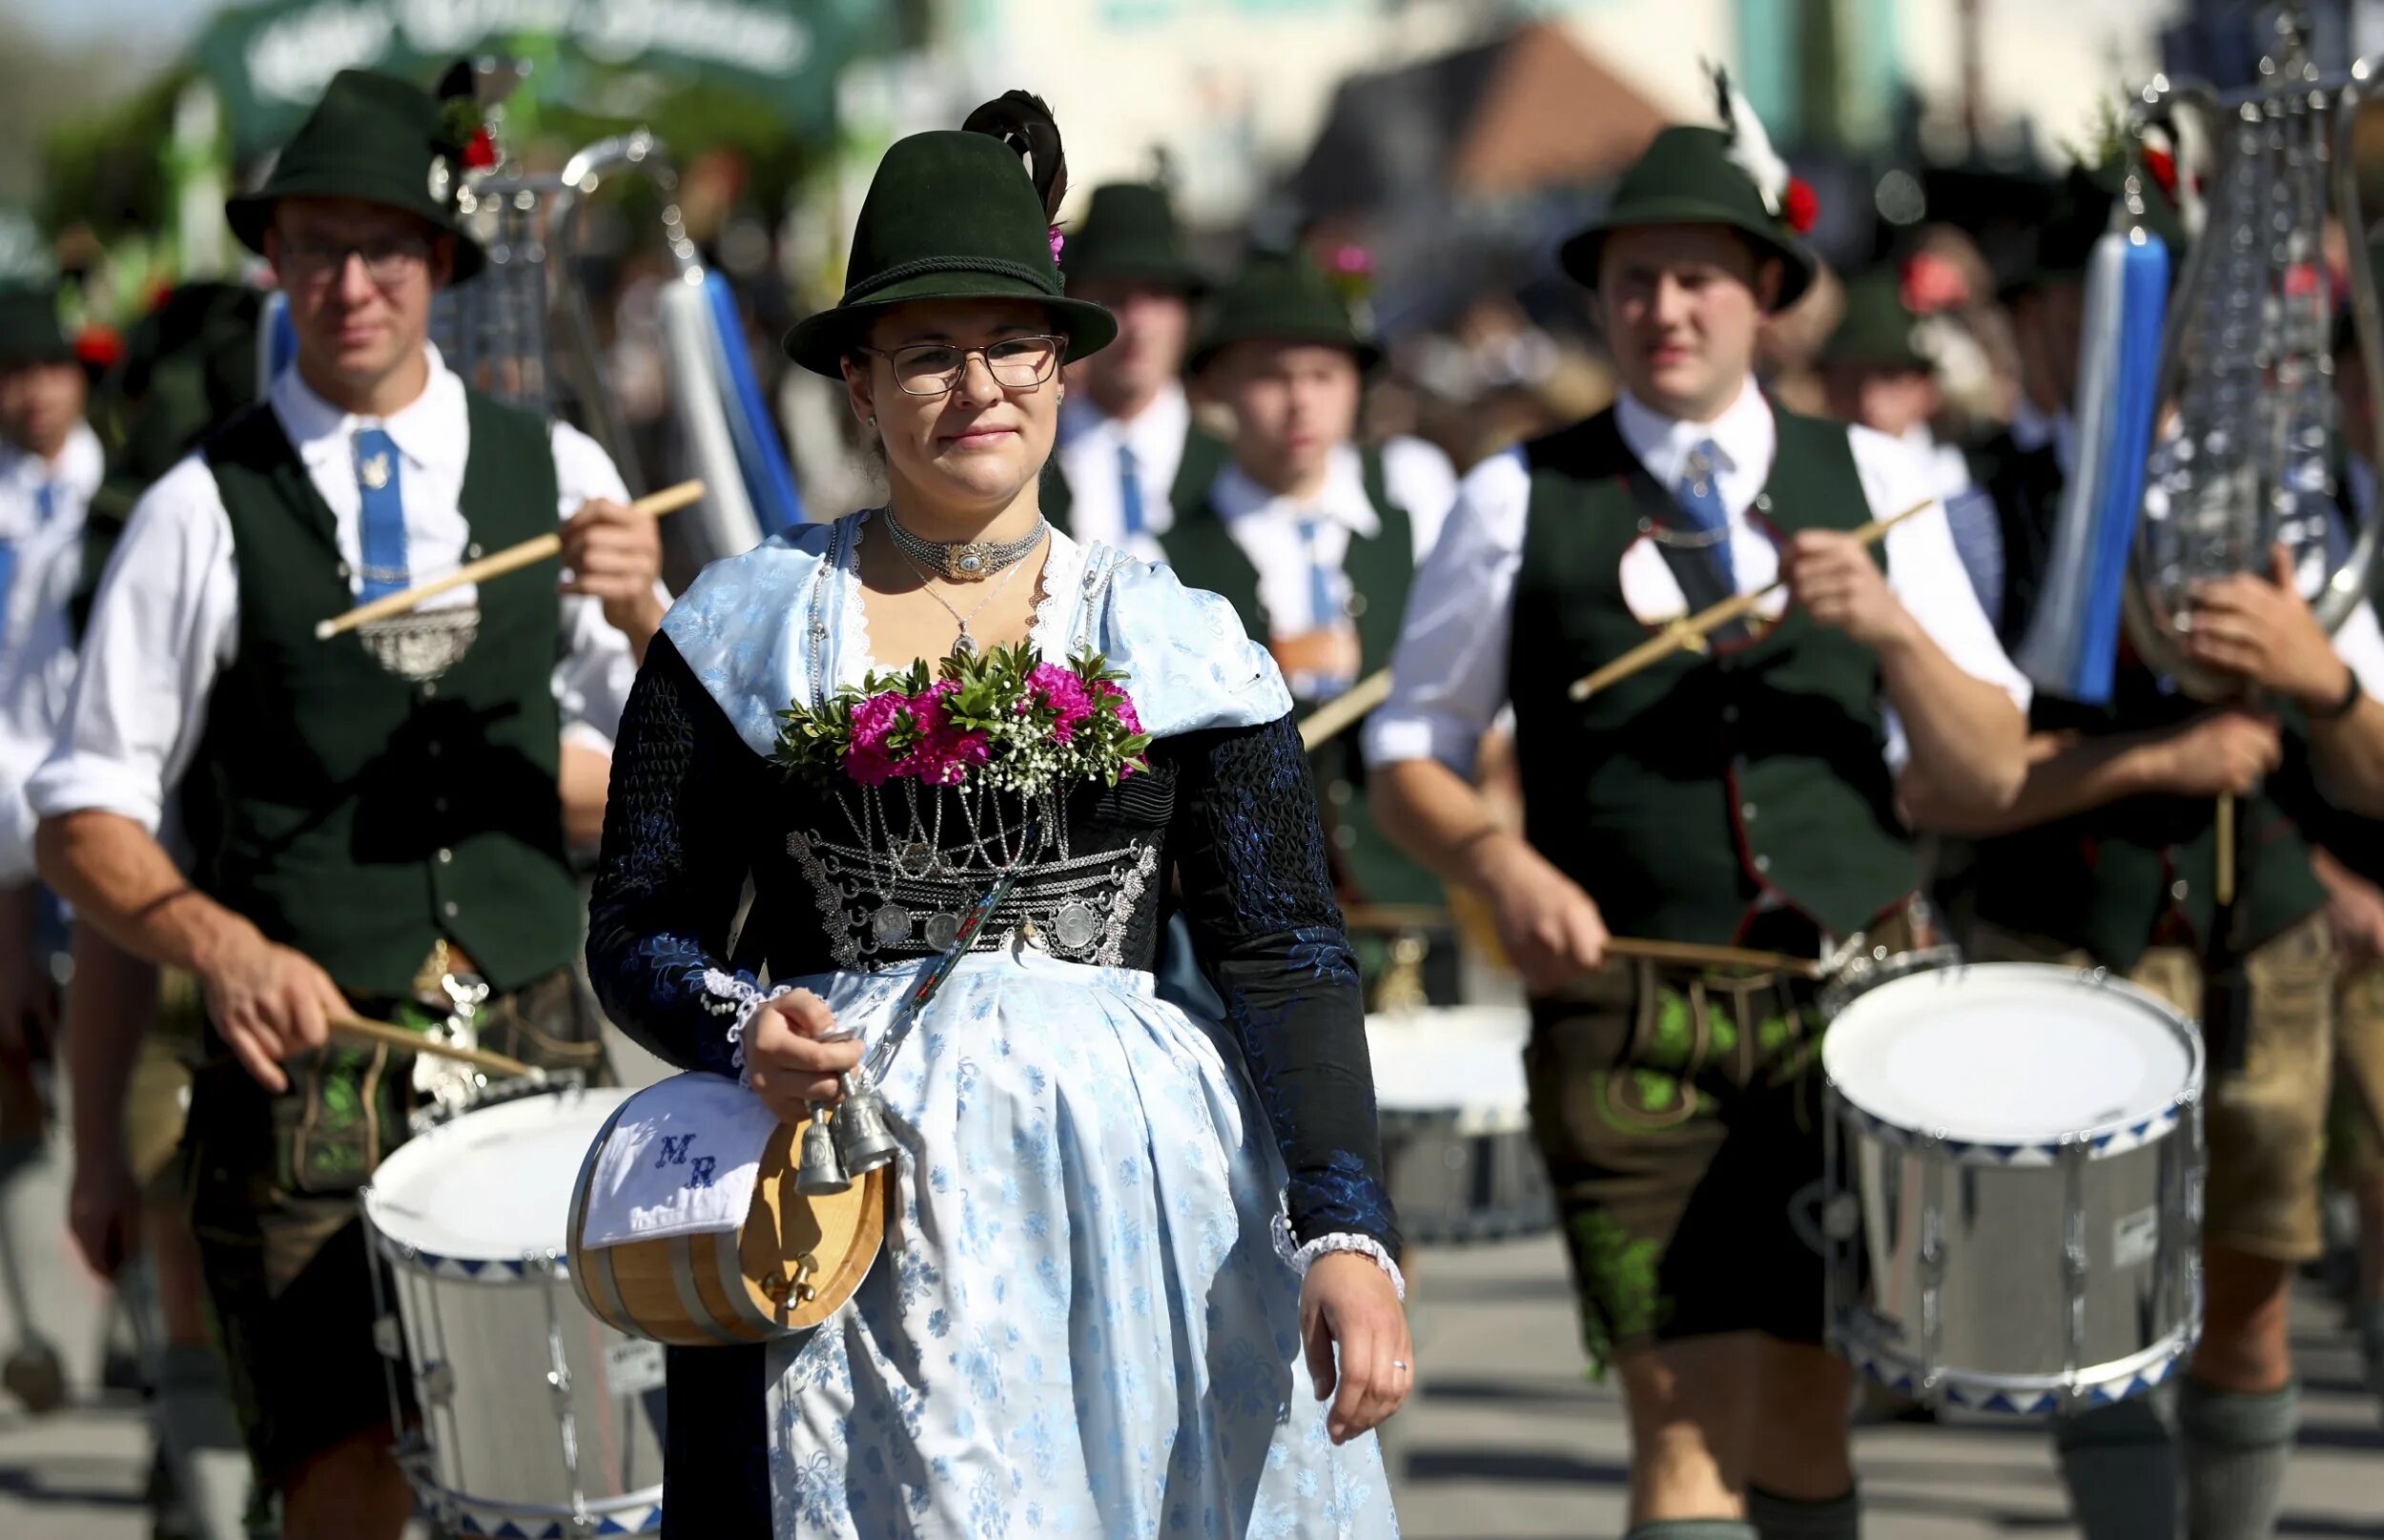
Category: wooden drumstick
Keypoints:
(1691, 633)
(512, 559)
(2224, 889)
(1689, 953)
(360, 1030)
(1344, 711)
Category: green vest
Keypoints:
(358, 816)
(1380, 567)
(1677, 798)
(1204, 454)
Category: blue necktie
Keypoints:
(44, 503)
(381, 540)
(1129, 493)
(1323, 611)
(1700, 497)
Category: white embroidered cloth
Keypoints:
(681, 1160)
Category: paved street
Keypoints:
(1507, 1443)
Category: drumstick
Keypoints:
(1341, 714)
(1694, 954)
(1692, 631)
(414, 1042)
(513, 558)
(2224, 889)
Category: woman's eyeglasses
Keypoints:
(934, 368)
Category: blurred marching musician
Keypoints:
(1130, 452)
(1742, 795)
(384, 830)
(2110, 857)
(50, 465)
(1313, 539)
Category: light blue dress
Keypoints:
(1085, 1322)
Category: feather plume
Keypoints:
(1023, 120)
(1750, 147)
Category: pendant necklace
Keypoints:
(964, 646)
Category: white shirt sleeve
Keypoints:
(2360, 644)
(165, 626)
(597, 668)
(1420, 480)
(1448, 677)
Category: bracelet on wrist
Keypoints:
(2342, 705)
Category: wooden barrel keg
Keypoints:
(790, 1265)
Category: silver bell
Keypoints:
(862, 1136)
(821, 1170)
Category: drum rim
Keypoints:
(2024, 1394)
(2100, 1141)
(438, 1498)
(512, 1266)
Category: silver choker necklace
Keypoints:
(964, 561)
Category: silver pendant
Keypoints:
(964, 646)
(917, 859)
(967, 561)
(1076, 925)
(891, 925)
(942, 929)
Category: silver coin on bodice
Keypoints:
(1076, 925)
(942, 929)
(891, 925)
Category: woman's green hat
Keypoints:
(956, 215)
(1688, 177)
(1878, 330)
(1283, 296)
(29, 328)
(373, 137)
(1129, 234)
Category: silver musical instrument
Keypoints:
(2011, 1212)
(2246, 361)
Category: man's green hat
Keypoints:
(1687, 177)
(1281, 296)
(1129, 234)
(30, 329)
(1878, 329)
(951, 215)
(376, 138)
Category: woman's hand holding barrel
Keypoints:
(793, 1057)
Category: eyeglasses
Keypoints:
(934, 368)
(389, 260)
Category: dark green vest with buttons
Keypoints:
(361, 817)
(1681, 795)
(1379, 567)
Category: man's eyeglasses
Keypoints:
(934, 368)
(388, 259)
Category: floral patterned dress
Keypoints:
(1086, 1322)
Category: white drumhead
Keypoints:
(2009, 1053)
(1458, 1059)
(495, 1184)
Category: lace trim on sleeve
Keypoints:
(1300, 1258)
(735, 994)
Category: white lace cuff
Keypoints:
(1299, 1258)
(732, 996)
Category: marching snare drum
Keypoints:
(2015, 1164)
(1457, 1147)
(536, 1418)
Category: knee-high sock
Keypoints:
(1692, 1529)
(1795, 1518)
(2371, 1340)
(2237, 1447)
(2120, 1465)
(200, 1437)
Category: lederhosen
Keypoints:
(1738, 797)
(2131, 885)
(378, 826)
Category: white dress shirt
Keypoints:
(1450, 677)
(36, 641)
(1088, 448)
(167, 622)
(1266, 525)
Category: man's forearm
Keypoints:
(111, 1007)
(2064, 775)
(120, 879)
(2350, 754)
(1430, 813)
(1964, 734)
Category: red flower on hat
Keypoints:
(2164, 169)
(98, 345)
(481, 153)
(1800, 206)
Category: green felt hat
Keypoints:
(373, 137)
(952, 215)
(1687, 177)
(1878, 330)
(30, 329)
(1129, 234)
(1283, 296)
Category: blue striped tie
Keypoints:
(1700, 497)
(1129, 493)
(381, 540)
(45, 504)
(1323, 611)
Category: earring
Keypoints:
(873, 422)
